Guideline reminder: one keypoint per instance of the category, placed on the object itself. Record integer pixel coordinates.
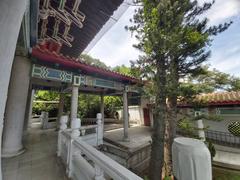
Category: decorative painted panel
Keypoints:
(51, 74)
(79, 80)
(43, 72)
(104, 83)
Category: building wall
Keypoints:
(135, 115)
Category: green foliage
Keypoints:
(167, 178)
(112, 104)
(208, 81)
(88, 105)
(211, 148)
(225, 174)
(92, 61)
(146, 178)
(186, 125)
(42, 106)
(123, 70)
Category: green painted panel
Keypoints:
(51, 74)
(104, 83)
(229, 111)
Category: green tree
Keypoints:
(123, 69)
(93, 61)
(209, 81)
(176, 43)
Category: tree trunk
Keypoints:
(157, 153)
(170, 132)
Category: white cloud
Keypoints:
(222, 10)
(115, 47)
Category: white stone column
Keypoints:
(99, 129)
(60, 108)
(11, 14)
(102, 108)
(125, 115)
(15, 107)
(74, 103)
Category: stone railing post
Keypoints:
(63, 126)
(200, 126)
(99, 129)
(44, 117)
(75, 126)
(99, 174)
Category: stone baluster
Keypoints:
(75, 126)
(200, 126)
(63, 126)
(99, 174)
(99, 129)
(63, 122)
(44, 116)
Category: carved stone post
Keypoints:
(200, 127)
(63, 126)
(45, 118)
(99, 129)
(99, 174)
(75, 126)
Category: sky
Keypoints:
(115, 47)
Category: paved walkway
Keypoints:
(39, 162)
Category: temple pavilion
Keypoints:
(41, 41)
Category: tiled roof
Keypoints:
(44, 54)
(217, 98)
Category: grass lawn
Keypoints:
(223, 174)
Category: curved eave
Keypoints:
(50, 57)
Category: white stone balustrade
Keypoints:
(200, 127)
(99, 129)
(82, 160)
(63, 126)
